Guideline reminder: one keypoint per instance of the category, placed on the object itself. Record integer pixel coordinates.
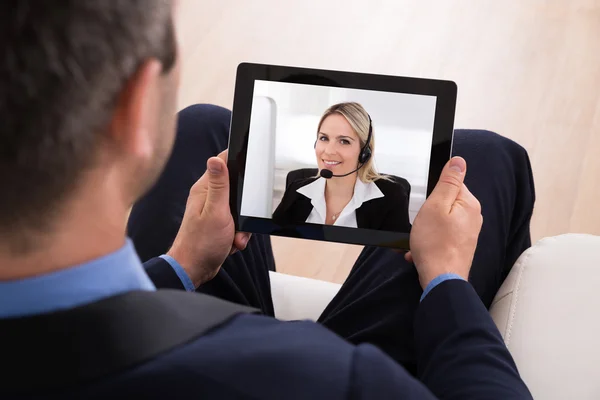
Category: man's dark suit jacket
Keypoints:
(388, 213)
(459, 350)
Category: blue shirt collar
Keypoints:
(110, 275)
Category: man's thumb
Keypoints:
(451, 181)
(218, 183)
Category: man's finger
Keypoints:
(241, 239)
(218, 184)
(465, 196)
(223, 155)
(408, 257)
(450, 183)
(198, 193)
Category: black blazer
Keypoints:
(388, 213)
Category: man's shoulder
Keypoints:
(255, 356)
(264, 337)
(251, 356)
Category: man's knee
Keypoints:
(204, 119)
(488, 143)
(206, 112)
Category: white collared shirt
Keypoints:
(315, 191)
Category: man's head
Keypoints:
(87, 92)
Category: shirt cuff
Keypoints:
(437, 280)
(185, 279)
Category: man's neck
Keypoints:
(88, 228)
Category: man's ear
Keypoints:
(135, 119)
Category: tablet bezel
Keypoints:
(247, 73)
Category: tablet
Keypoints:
(334, 155)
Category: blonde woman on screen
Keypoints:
(345, 189)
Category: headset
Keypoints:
(363, 157)
(365, 152)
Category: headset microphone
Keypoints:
(327, 174)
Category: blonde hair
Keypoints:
(358, 118)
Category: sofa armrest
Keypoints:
(548, 311)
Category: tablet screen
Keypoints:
(334, 162)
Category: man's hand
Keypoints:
(445, 232)
(207, 235)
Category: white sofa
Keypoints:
(548, 311)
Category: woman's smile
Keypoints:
(331, 163)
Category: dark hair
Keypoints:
(63, 64)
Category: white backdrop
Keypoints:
(286, 117)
